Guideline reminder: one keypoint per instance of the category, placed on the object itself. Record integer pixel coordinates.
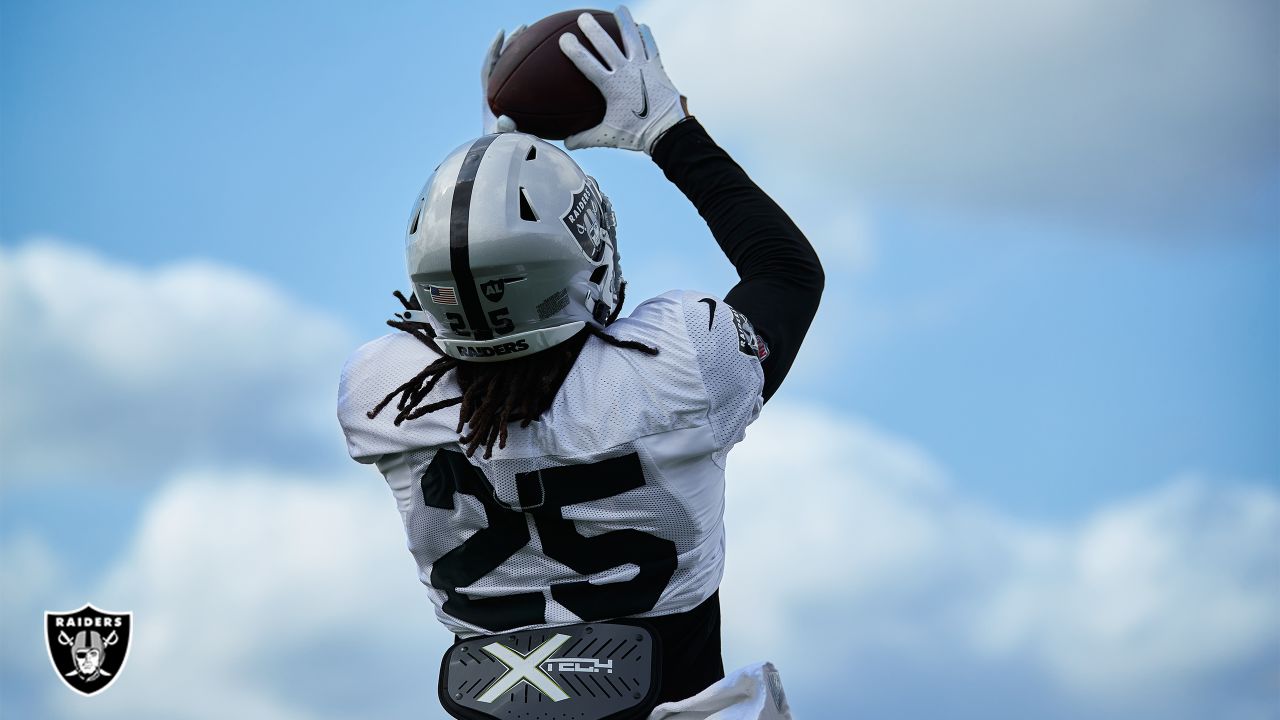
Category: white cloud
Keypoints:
(30, 578)
(1144, 115)
(1161, 605)
(853, 562)
(876, 586)
(1155, 593)
(117, 372)
(267, 596)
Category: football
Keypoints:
(535, 85)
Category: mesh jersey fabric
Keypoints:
(668, 420)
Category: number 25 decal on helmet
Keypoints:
(511, 249)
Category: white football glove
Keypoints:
(488, 122)
(640, 101)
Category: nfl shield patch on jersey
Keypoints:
(746, 335)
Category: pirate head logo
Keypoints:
(88, 647)
(590, 220)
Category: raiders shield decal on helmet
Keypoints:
(88, 647)
(584, 221)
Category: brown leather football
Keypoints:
(539, 88)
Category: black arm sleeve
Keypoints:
(781, 279)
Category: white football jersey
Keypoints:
(610, 505)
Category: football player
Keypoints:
(555, 461)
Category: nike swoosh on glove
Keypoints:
(488, 122)
(640, 101)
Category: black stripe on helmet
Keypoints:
(459, 225)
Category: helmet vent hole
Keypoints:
(526, 210)
(597, 275)
(533, 153)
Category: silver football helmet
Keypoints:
(511, 249)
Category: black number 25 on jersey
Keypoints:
(508, 532)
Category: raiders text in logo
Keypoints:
(88, 647)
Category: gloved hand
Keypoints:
(640, 101)
(488, 122)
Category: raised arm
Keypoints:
(781, 279)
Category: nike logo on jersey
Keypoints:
(644, 94)
(711, 304)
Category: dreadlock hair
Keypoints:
(493, 394)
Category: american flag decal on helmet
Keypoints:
(443, 295)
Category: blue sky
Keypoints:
(1053, 254)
